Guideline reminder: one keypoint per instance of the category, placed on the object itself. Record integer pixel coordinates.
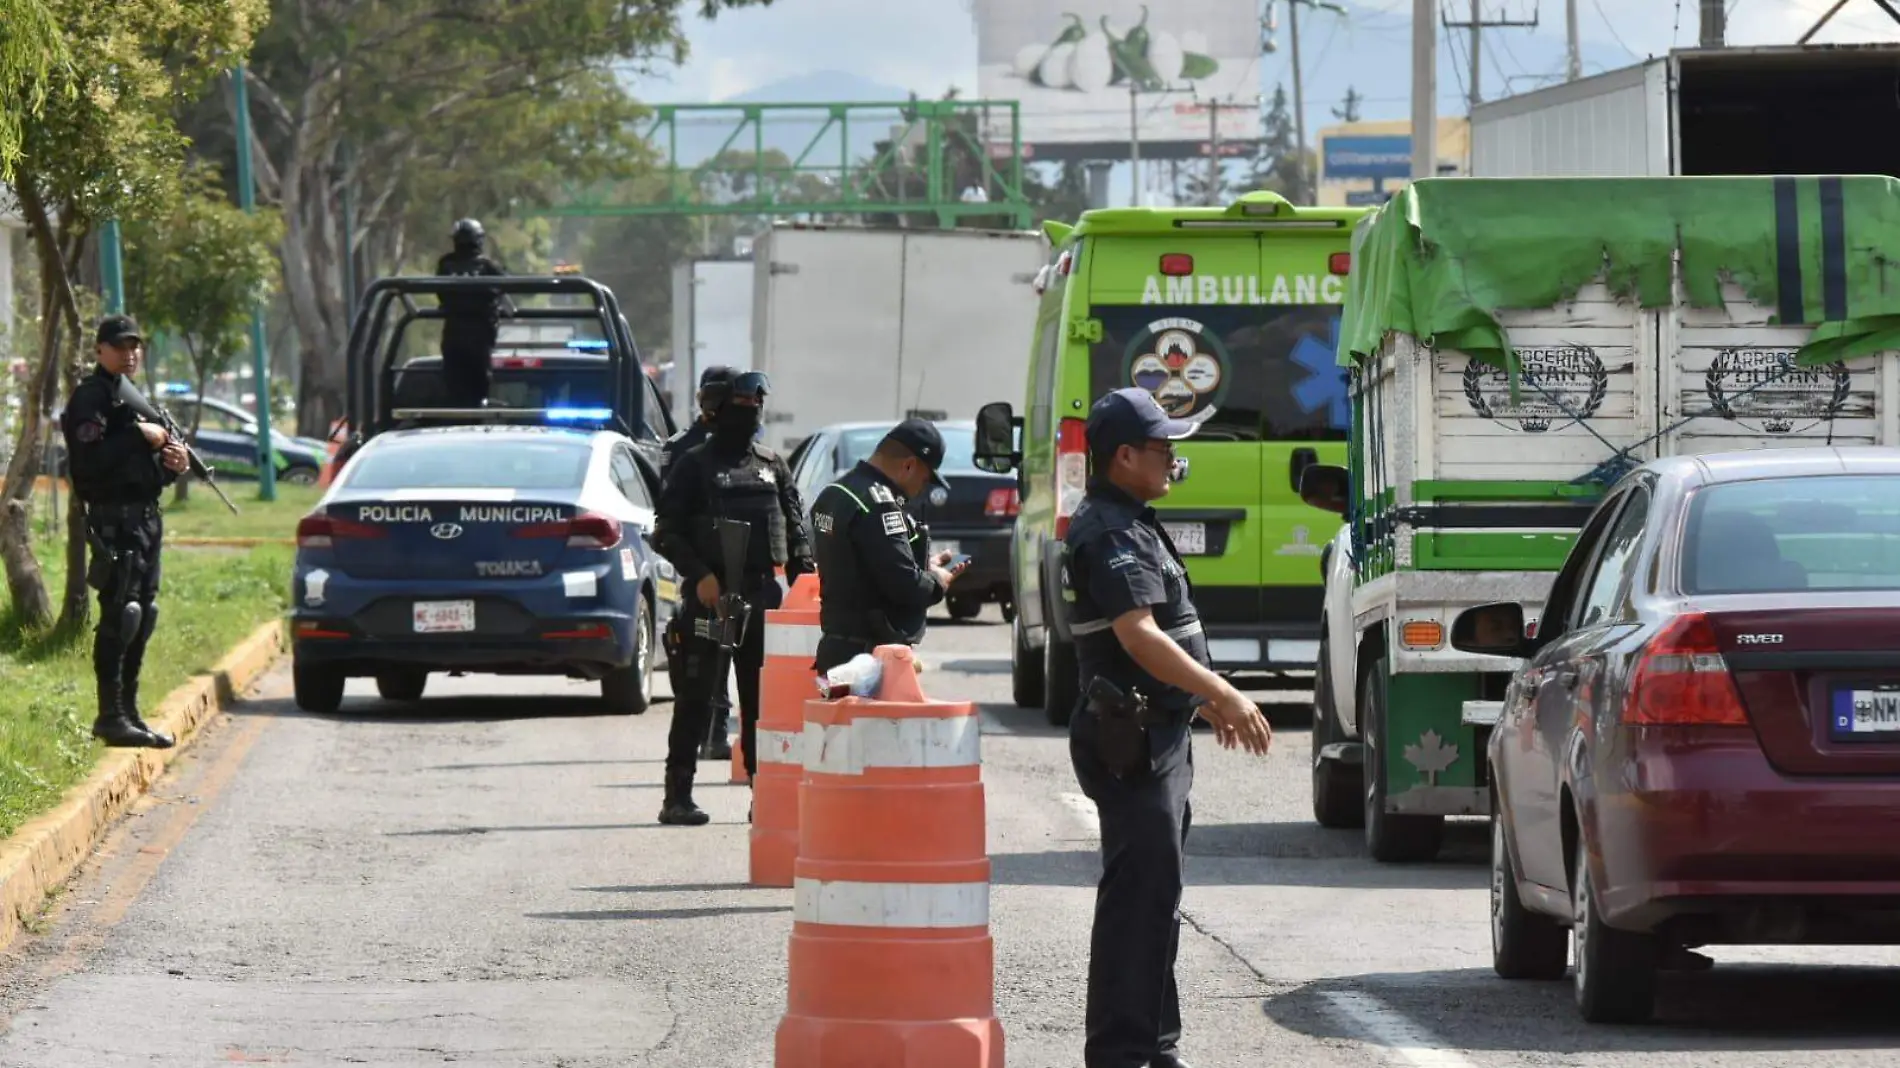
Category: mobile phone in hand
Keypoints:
(958, 563)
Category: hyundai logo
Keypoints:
(445, 531)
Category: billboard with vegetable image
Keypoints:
(1072, 64)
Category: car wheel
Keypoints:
(629, 690)
(317, 688)
(1336, 784)
(403, 685)
(1616, 970)
(965, 608)
(1060, 684)
(1391, 837)
(299, 476)
(1025, 669)
(1524, 945)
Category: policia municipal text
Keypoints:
(730, 476)
(119, 467)
(1144, 671)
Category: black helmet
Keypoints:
(468, 233)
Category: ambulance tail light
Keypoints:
(1340, 263)
(1177, 264)
(1072, 471)
(319, 531)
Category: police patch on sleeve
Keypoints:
(822, 522)
(882, 495)
(894, 523)
(89, 431)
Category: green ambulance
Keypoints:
(1230, 316)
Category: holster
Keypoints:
(110, 571)
(1123, 719)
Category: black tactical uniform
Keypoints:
(119, 476)
(730, 476)
(873, 556)
(673, 642)
(1117, 558)
(472, 320)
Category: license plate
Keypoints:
(951, 547)
(445, 617)
(1860, 713)
(1190, 539)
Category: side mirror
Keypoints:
(1492, 630)
(995, 438)
(1326, 487)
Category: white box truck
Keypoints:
(1817, 109)
(712, 324)
(856, 324)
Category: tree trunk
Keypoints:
(26, 584)
(76, 601)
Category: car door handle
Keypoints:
(1303, 458)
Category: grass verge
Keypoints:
(210, 599)
(202, 515)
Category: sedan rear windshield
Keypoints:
(1777, 535)
(462, 463)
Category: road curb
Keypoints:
(228, 543)
(43, 853)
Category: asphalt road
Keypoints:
(480, 880)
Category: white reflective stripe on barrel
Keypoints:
(912, 742)
(777, 747)
(791, 639)
(845, 904)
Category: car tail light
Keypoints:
(1339, 263)
(587, 632)
(1072, 471)
(529, 362)
(1682, 680)
(1177, 263)
(321, 531)
(1002, 502)
(589, 530)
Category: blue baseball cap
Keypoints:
(1131, 416)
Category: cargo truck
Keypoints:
(712, 325)
(856, 324)
(1818, 109)
(1514, 345)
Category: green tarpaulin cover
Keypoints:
(1444, 255)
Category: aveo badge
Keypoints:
(1182, 364)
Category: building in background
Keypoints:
(1361, 164)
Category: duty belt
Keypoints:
(122, 512)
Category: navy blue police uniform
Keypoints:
(1117, 559)
(873, 556)
(729, 476)
(471, 321)
(119, 476)
(673, 642)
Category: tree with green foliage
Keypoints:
(427, 110)
(97, 140)
(30, 50)
(199, 270)
(1278, 165)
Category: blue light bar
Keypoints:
(563, 414)
(595, 344)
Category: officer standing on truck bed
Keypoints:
(879, 580)
(471, 321)
(729, 476)
(119, 466)
(1145, 671)
(715, 746)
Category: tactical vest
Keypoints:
(748, 491)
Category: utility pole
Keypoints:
(1134, 146)
(1477, 26)
(1304, 192)
(1215, 172)
(260, 364)
(1714, 23)
(1424, 89)
(1575, 40)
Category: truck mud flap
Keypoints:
(1441, 801)
(1434, 761)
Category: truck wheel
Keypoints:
(629, 690)
(1025, 669)
(1060, 686)
(316, 688)
(1524, 945)
(1391, 838)
(1336, 784)
(403, 684)
(1616, 970)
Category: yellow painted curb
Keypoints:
(229, 543)
(41, 855)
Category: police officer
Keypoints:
(714, 383)
(1130, 607)
(731, 476)
(119, 466)
(879, 579)
(472, 320)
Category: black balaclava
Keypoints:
(735, 425)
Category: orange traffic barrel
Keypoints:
(891, 961)
(786, 680)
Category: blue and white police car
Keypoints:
(497, 549)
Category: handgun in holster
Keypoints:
(1124, 717)
(108, 567)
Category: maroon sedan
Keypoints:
(1703, 746)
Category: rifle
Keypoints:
(733, 611)
(133, 399)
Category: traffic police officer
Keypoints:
(472, 320)
(1130, 607)
(119, 467)
(731, 476)
(879, 579)
(715, 747)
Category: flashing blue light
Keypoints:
(174, 388)
(595, 344)
(578, 414)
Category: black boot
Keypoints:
(718, 743)
(677, 807)
(114, 727)
(129, 702)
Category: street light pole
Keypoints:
(260, 363)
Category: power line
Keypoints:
(1477, 25)
(1608, 25)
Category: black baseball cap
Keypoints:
(1131, 416)
(921, 437)
(114, 329)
